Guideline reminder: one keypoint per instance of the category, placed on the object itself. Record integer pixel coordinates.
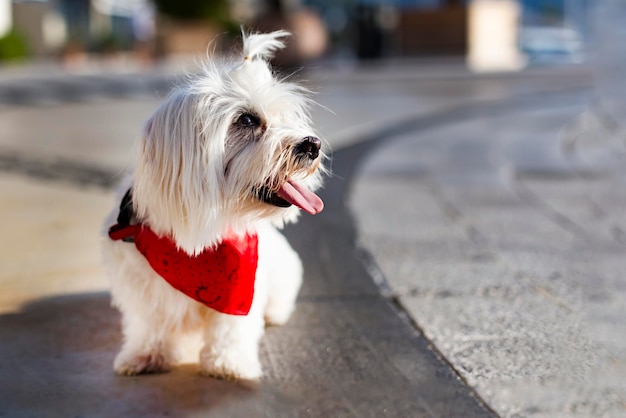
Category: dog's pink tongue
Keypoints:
(302, 197)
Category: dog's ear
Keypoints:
(177, 178)
(262, 46)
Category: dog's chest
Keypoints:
(221, 278)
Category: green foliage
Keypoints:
(208, 10)
(12, 47)
(107, 44)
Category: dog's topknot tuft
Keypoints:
(262, 45)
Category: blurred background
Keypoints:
(482, 35)
(524, 31)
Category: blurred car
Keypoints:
(551, 44)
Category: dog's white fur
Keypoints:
(195, 180)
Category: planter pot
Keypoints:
(186, 37)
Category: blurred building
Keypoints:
(539, 30)
(555, 30)
(372, 29)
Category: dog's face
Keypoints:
(233, 146)
(272, 156)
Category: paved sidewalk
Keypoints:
(351, 349)
(502, 235)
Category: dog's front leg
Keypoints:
(147, 348)
(231, 349)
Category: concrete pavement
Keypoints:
(419, 156)
(500, 235)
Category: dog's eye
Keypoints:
(248, 120)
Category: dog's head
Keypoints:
(231, 147)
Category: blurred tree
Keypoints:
(12, 47)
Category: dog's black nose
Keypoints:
(310, 147)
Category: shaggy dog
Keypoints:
(226, 160)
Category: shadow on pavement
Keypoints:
(336, 356)
(57, 355)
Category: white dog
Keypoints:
(224, 161)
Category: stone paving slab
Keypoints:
(506, 252)
(49, 240)
(75, 132)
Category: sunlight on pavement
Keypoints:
(49, 245)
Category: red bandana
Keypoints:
(222, 279)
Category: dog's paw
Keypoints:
(131, 364)
(230, 365)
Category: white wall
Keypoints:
(5, 17)
(493, 30)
